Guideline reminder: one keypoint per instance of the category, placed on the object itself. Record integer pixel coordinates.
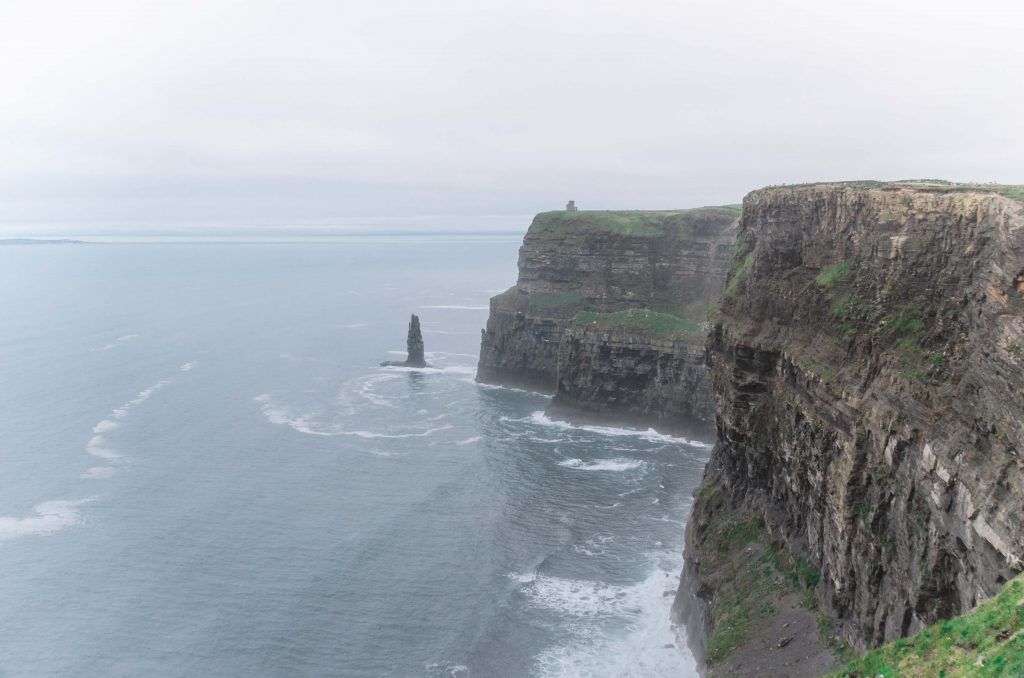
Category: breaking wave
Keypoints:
(603, 464)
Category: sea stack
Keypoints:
(414, 346)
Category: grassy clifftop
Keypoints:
(989, 641)
(1014, 191)
(635, 223)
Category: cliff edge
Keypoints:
(868, 376)
(607, 313)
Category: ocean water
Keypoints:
(205, 472)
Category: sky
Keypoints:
(154, 116)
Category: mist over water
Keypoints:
(205, 472)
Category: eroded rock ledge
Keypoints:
(868, 377)
(607, 312)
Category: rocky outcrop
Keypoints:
(414, 347)
(868, 377)
(667, 266)
(634, 375)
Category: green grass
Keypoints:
(645, 224)
(739, 268)
(659, 324)
(555, 300)
(988, 641)
(752, 585)
(832, 274)
(1013, 191)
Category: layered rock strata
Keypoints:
(606, 312)
(868, 377)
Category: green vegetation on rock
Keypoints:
(757, 574)
(739, 269)
(555, 300)
(636, 223)
(989, 641)
(833, 273)
(659, 324)
(1013, 191)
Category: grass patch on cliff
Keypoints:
(658, 324)
(644, 224)
(833, 274)
(988, 641)
(739, 268)
(555, 300)
(756, 574)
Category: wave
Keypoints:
(98, 473)
(304, 423)
(499, 387)
(143, 396)
(615, 630)
(542, 419)
(470, 441)
(51, 516)
(105, 426)
(117, 342)
(603, 464)
(452, 369)
(97, 447)
(366, 392)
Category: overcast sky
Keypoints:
(150, 115)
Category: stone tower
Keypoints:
(571, 206)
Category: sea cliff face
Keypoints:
(868, 378)
(607, 313)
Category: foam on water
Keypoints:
(470, 441)
(51, 516)
(542, 419)
(617, 630)
(603, 464)
(304, 423)
(117, 342)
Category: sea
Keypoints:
(205, 471)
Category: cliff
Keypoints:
(868, 378)
(607, 309)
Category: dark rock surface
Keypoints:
(414, 346)
(633, 376)
(673, 263)
(868, 377)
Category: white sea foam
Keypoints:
(98, 472)
(526, 578)
(186, 367)
(105, 426)
(499, 387)
(603, 464)
(304, 423)
(542, 419)
(143, 396)
(451, 369)
(470, 441)
(51, 516)
(616, 630)
(367, 393)
(117, 342)
(97, 447)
